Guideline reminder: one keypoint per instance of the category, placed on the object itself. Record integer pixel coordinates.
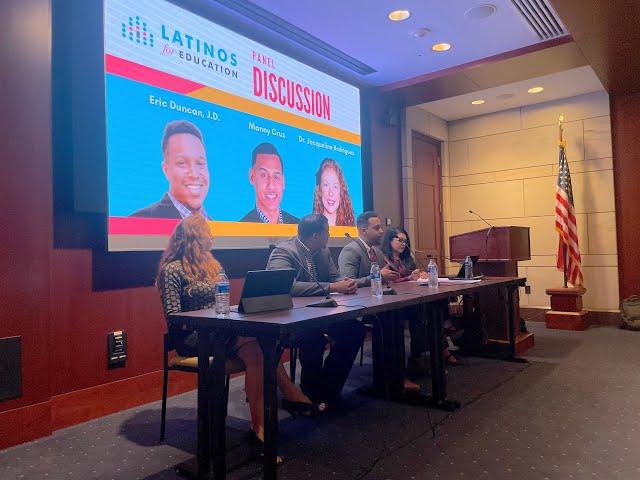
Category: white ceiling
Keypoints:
(361, 29)
(558, 85)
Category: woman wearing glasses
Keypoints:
(396, 248)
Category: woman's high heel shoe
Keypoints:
(303, 408)
(258, 446)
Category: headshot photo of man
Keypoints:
(184, 164)
(267, 177)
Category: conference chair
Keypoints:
(188, 364)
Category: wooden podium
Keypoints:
(499, 249)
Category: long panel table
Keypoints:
(273, 330)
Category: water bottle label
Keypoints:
(222, 288)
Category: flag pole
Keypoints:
(564, 244)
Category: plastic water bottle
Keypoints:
(468, 268)
(376, 280)
(223, 291)
(432, 272)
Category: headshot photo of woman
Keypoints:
(331, 196)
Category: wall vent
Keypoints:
(276, 24)
(541, 18)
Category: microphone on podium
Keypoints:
(486, 238)
(481, 218)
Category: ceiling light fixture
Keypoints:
(399, 15)
(535, 89)
(480, 12)
(477, 102)
(420, 32)
(441, 47)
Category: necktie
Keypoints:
(372, 255)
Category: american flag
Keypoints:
(568, 258)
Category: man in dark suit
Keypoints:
(355, 261)
(356, 257)
(184, 163)
(316, 274)
(267, 177)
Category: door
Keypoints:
(428, 205)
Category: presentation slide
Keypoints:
(202, 119)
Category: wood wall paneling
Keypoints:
(625, 121)
(25, 196)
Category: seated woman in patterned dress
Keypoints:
(186, 279)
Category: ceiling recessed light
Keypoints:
(477, 102)
(481, 11)
(535, 89)
(441, 47)
(420, 32)
(399, 15)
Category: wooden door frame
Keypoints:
(438, 144)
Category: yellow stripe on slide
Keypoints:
(241, 104)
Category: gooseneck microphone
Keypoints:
(481, 218)
(327, 301)
(486, 238)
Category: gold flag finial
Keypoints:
(561, 140)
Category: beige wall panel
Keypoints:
(587, 165)
(593, 191)
(575, 108)
(539, 261)
(496, 200)
(602, 288)
(539, 196)
(408, 199)
(446, 159)
(466, 226)
(446, 200)
(445, 240)
(521, 149)
(437, 128)
(458, 157)
(544, 238)
(602, 233)
(599, 260)
(597, 137)
(499, 122)
(520, 173)
(541, 278)
(416, 119)
(409, 226)
(473, 179)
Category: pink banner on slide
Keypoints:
(141, 226)
(150, 76)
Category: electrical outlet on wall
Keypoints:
(116, 349)
(388, 221)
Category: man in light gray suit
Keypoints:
(356, 257)
(316, 274)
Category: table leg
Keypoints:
(271, 350)
(439, 400)
(204, 433)
(218, 404)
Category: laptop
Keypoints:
(460, 274)
(267, 290)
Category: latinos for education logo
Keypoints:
(184, 45)
(137, 32)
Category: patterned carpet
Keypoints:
(570, 413)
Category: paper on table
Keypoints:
(449, 280)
